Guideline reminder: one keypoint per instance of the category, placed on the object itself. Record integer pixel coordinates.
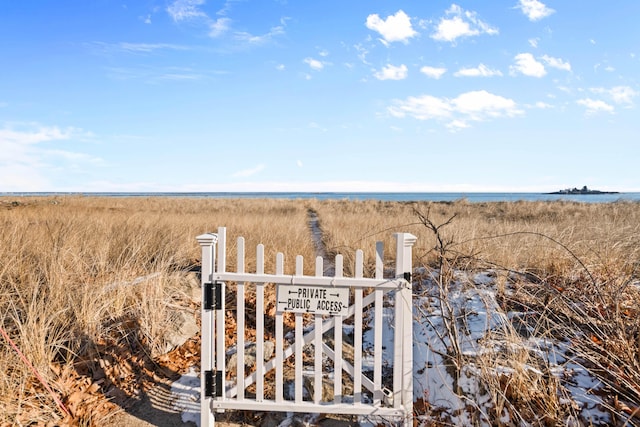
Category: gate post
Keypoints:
(403, 336)
(207, 243)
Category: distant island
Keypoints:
(583, 190)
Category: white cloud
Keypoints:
(595, 106)
(299, 163)
(249, 172)
(542, 105)
(470, 106)
(160, 75)
(74, 156)
(623, 94)
(257, 40)
(30, 137)
(433, 72)
(451, 29)
(178, 76)
(280, 67)
(480, 71)
(138, 47)
(423, 107)
(219, 27)
(461, 24)
(181, 10)
(26, 153)
(533, 42)
(315, 125)
(480, 104)
(556, 63)
(534, 9)
(185, 10)
(396, 28)
(18, 177)
(314, 64)
(362, 53)
(456, 125)
(618, 94)
(526, 64)
(391, 72)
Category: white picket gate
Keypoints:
(252, 384)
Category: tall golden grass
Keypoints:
(68, 267)
(540, 237)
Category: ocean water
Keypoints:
(394, 197)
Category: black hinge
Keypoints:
(407, 276)
(213, 383)
(212, 296)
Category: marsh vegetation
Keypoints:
(90, 288)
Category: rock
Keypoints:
(183, 327)
(250, 355)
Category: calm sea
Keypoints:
(395, 197)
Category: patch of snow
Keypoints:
(186, 392)
(484, 278)
(459, 396)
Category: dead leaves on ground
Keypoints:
(112, 375)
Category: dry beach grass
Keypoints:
(71, 297)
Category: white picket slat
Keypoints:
(337, 340)
(279, 340)
(240, 321)
(377, 339)
(357, 331)
(298, 342)
(260, 325)
(220, 323)
(317, 359)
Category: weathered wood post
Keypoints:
(403, 337)
(207, 243)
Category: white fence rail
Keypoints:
(305, 349)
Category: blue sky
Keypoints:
(284, 95)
